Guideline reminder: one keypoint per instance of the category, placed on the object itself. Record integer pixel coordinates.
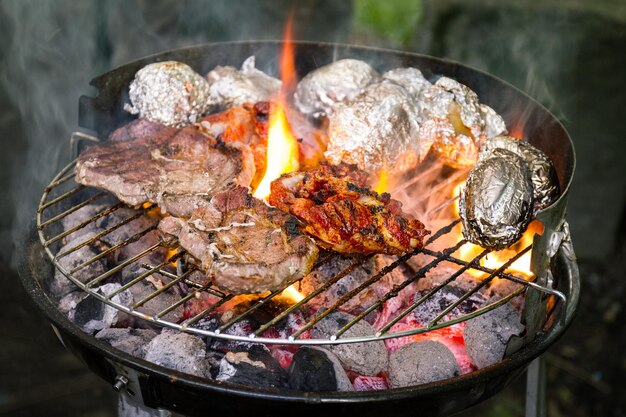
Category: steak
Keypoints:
(178, 169)
(243, 245)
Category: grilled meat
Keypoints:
(345, 217)
(146, 161)
(243, 245)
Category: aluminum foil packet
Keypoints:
(376, 131)
(169, 92)
(321, 90)
(543, 175)
(496, 203)
(232, 87)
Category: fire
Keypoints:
(290, 293)
(495, 260)
(282, 151)
(282, 145)
(382, 183)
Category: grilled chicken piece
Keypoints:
(146, 161)
(243, 245)
(345, 217)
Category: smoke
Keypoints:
(51, 50)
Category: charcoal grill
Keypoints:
(551, 295)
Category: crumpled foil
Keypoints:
(232, 87)
(543, 175)
(321, 90)
(414, 82)
(376, 131)
(169, 92)
(496, 203)
(494, 123)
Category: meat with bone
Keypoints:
(243, 245)
(148, 162)
(345, 217)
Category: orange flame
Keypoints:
(282, 145)
(382, 182)
(292, 295)
(495, 260)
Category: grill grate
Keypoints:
(61, 198)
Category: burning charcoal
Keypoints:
(421, 363)
(370, 383)
(376, 131)
(148, 286)
(60, 285)
(232, 87)
(543, 174)
(496, 203)
(439, 301)
(170, 93)
(320, 91)
(316, 369)
(441, 273)
(92, 315)
(179, 351)
(131, 341)
(367, 358)
(126, 231)
(82, 215)
(330, 269)
(500, 288)
(487, 335)
(255, 367)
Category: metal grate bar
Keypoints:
(429, 294)
(83, 224)
(101, 234)
(162, 289)
(60, 181)
(121, 266)
(144, 275)
(73, 209)
(193, 284)
(480, 285)
(397, 288)
(182, 301)
(371, 281)
(206, 311)
(264, 300)
(112, 249)
(62, 197)
(306, 299)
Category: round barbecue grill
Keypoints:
(551, 295)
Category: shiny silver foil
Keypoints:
(321, 90)
(494, 123)
(169, 92)
(496, 203)
(543, 175)
(232, 87)
(377, 130)
(414, 82)
(469, 108)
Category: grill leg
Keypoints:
(129, 407)
(536, 388)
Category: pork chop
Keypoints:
(242, 244)
(146, 161)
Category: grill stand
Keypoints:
(536, 388)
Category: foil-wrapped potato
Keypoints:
(321, 90)
(496, 203)
(543, 175)
(232, 87)
(169, 92)
(376, 131)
